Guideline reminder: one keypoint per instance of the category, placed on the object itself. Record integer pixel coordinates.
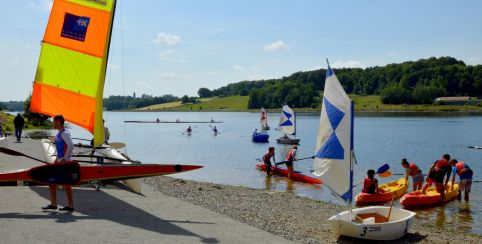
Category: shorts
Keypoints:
(465, 185)
(268, 166)
(439, 186)
(418, 178)
(289, 163)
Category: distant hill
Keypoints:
(12, 106)
(412, 82)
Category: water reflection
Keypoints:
(456, 214)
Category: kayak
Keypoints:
(260, 137)
(418, 200)
(75, 174)
(49, 153)
(391, 190)
(296, 175)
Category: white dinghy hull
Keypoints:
(396, 227)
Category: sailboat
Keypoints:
(287, 125)
(264, 120)
(70, 81)
(333, 164)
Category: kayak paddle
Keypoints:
(19, 154)
(283, 162)
(382, 172)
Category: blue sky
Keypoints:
(178, 46)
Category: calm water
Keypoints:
(229, 158)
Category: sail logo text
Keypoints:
(75, 27)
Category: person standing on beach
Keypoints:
(289, 160)
(436, 175)
(465, 174)
(267, 159)
(65, 146)
(19, 123)
(1, 130)
(411, 169)
(106, 133)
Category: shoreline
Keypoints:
(285, 214)
(309, 111)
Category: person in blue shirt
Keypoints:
(465, 175)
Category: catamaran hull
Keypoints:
(49, 153)
(74, 174)
(399, 224)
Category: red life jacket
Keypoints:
(414, 170)
(291, 155)
(369, 185)
(459, 167)
(441, 163)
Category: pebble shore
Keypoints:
(285, 214)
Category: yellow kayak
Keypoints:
(390, 190)
(431, 197)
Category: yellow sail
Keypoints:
(73, 59)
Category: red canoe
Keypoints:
(74, 174)
(296, 176)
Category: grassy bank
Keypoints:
(7, 121)
(362, 103)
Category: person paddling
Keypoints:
(267, 159)
(370, 183)
(189, 130)
(215, 130)
(411, 169)
(289, 160)
(436, 175)
(465, 175)
(255, 132)
(65, 146)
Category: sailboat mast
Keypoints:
(294, 121)
(352, 120)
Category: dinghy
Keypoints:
(287, 125)
(264, 120)
(260, 138)
(333, 164)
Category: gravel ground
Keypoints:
(296, 218)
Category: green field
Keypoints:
(362, 103)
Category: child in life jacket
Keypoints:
(370, 184)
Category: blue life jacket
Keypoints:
(60, 144)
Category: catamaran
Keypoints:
(70, 81)
(264, 120)
(333, 164)
(287, 125)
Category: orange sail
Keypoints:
(73, 59)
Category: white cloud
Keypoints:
(276, 46)
(113, 66)
(238, 68)
(348, 64)
(12, 63)
(167, 39)
(474, 59)
(172, 56)
(172, 76)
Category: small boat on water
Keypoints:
(416, 199)
(333, 164)
(296, 176)
(391, 190)
(287, 125)
(264, 120)
(260, 138)
(475, 147)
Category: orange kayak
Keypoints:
(295, 176)
(416, 199)
(391, 190)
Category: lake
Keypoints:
(230, 157)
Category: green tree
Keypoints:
(426, 94)
(204, 92)
(394, 94)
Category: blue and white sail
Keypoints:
(334, 145)
(287, 121)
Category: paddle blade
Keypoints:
(385, 174)
(384, 168)
(10, 152)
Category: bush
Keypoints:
(395, 94)
(426, 94)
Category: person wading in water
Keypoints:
(65, 146)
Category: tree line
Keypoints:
(412, 82)
(133, 102)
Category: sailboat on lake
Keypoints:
(287, 125)
(333, 164)
(264, 120)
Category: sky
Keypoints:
(177, 46)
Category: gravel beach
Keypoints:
(293, 217)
